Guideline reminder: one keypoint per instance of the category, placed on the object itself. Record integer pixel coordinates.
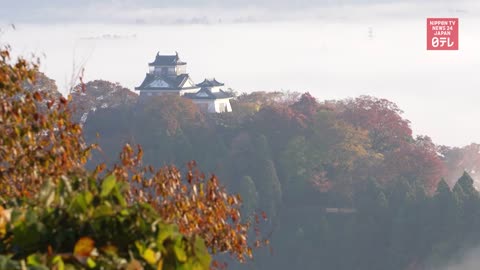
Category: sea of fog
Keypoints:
(438, 90)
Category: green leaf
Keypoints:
(180, 253)
(124, 212)
(70, 267)
(7, 263)
(31, 217)
(140, 247)
(58, 261)
(38, 267)
(164, 233)
(91, 263)
(80, 203)
(118, 195)
(88, 197)
(107, 185)
(103, 210)
(184, 266)
(201, 252)
(200, 246)
(199, 266)
(34, 260)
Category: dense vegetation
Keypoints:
(345, 185)
(55, 213)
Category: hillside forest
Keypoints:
(343, 183)
(322, 184)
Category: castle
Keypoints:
(168, 75)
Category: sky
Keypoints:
(332, 49)
(168, 11)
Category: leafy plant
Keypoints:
(58, 214)
(86, 224)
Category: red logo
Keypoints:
(442, 34)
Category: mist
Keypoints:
(470, 260)
(347, 189)
(332, 51)
(215, 11)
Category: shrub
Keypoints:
(56, 213)
(83, 224)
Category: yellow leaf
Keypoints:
(3, 229)
(58, 262)
(4, 220)
(149, 256)
(91, 263)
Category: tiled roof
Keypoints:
(210, 83)
(206, 93)
(160, 82)
(167, 60)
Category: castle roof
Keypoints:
(167, 60)
(206, 93)
(210, 83)
(161, 82)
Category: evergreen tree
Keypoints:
(443, 216)
(468, 199)
(248, 191)
(466, 182)
(269, 188)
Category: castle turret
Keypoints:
(167, 74)
(168, 65)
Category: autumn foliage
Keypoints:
(346, 181)
(199, 205)
(78, 211)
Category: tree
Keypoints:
(459, 160)
(417, 161)
(259, 98)
(74, 210)
(36, 146)
(249, 194)
(294, 169)
(468, 201)
(83, 224)
(466, 184)
(170, 113)
(43, 84)
(98, 94)
(307, 105)
(444, 214)
(381, 117)
(269, 188)
(40, 147)
(279, 123)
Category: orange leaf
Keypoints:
(84, 247)
(37, 96)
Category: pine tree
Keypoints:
(249, 194)
(269, 188)
(468, 200)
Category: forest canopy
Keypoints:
(56, 213)
(344, 182)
